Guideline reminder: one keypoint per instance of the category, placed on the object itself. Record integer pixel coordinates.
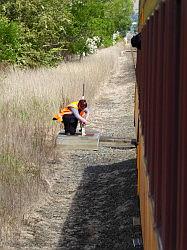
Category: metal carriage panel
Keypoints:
(182, 149)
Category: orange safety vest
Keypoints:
(67, 111)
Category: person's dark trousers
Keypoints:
(70, 124)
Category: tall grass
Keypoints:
(28, 100)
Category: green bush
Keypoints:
(10, 40)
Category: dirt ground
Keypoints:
(92, 194)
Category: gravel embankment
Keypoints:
(92, 196)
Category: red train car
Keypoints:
(161, 123)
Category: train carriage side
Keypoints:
(161, 122)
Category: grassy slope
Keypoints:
(27, 103)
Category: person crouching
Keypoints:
(71, 114)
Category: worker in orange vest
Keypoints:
(70, 115)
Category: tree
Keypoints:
(41, 32)
(10, 40)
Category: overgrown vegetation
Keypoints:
(28, 100)
(43, 32)
(37, 33)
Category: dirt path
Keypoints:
(92, 195)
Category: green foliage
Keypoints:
(43, 23)
(10, 40)
(119, 12)
(41, 32)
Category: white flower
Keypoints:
(92, 44)
(115, 36)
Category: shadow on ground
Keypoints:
(101, 213)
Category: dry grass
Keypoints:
(28, 101)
